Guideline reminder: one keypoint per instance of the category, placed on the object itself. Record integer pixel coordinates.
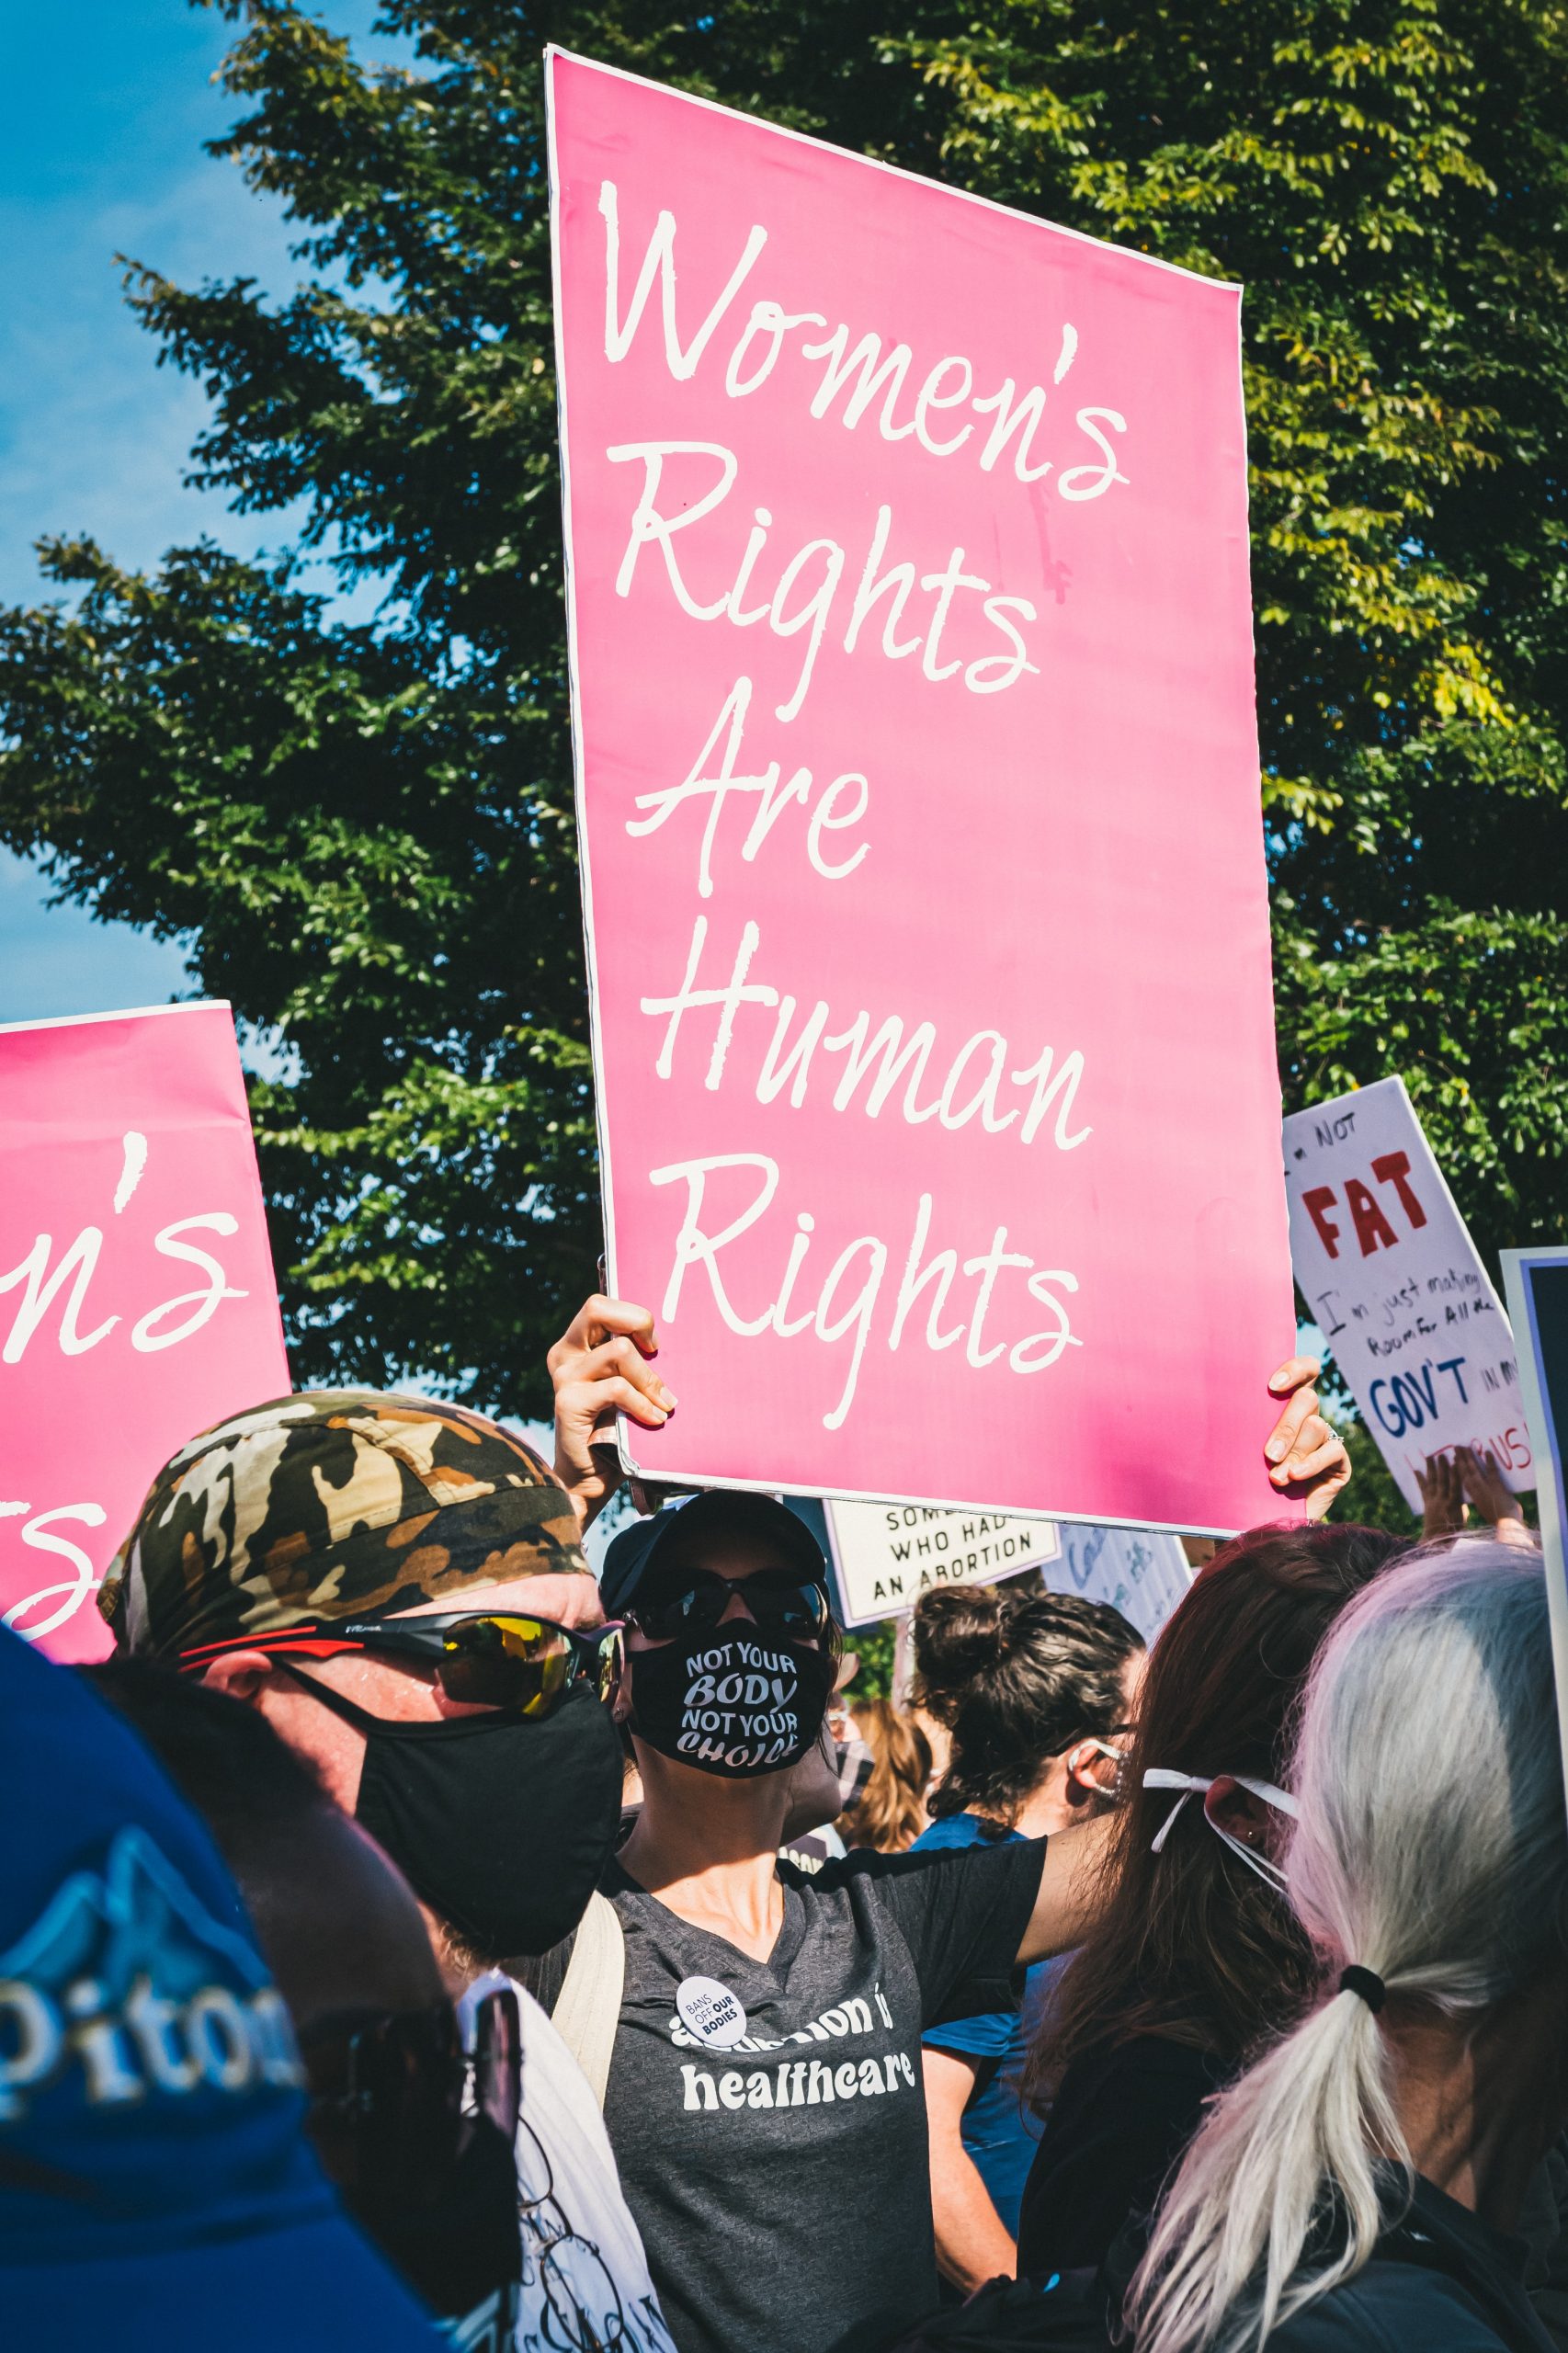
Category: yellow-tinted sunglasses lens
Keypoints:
(504, 1662)
(612, 1658)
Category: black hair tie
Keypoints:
(1365, 1981)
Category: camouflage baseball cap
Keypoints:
(333, 1504)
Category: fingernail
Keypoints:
(666, 1398)
(1276, 1450)
(1280, 1476)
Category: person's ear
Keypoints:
(1091, 1774)
(621, 1706)
(1230, 1807)
(240, 1675)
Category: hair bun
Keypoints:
(959, 1632)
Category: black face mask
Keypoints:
(740, 1705)
(503, 1824)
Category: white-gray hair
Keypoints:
(1430, 1848)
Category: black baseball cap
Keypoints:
(631, 1556)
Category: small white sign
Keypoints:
(887, 1555)
(1389, 1272)
(1142, 1572)
(709, 2012)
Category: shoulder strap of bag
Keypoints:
(587, 2009)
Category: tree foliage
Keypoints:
(366, 826)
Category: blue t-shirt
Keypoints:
(999, 2133)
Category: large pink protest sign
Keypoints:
(137, 1299)
(919, 787)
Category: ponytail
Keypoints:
(1252, 2188)
(1430, 1853)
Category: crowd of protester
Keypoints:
(406, 1936)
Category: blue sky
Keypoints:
(104, 105)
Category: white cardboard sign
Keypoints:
(1142, 1572)
(1389, 1272)
(887, 1555)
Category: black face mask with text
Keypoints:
(502, 1823)
(743, 1705)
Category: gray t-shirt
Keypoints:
(779, 2177)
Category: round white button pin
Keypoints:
(710, 2012)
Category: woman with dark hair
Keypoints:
(1019, 1677)
(1036, 1692)
(1195, 1957)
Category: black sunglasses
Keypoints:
(388, 2092)
(692, 1601)
(492, 1658)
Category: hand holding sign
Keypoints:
(1305, 1454)
(600, 1367)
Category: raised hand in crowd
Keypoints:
(1306, 1456)
(1490, 1498)
(1442, 1496)
(602, 1365)
(1452, 1486)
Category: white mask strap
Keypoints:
(1160, 1777)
